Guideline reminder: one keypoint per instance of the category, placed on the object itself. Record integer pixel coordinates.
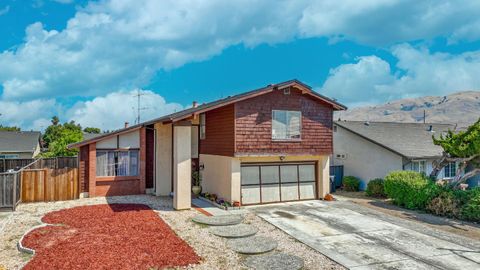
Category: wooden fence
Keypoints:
(9, 190)
(14, 164)
(43, 185)
(30, 163)
(45, 179)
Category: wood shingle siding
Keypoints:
(220, 132)
(254, 125)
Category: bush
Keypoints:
(410, 189)
(375, 188)
(445, 204)
(351, 183)
(471, 209)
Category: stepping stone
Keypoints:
(278, 261)
(252, 244)
(223, 220)
(234, 231)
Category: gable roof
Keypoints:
(410, 140)
(19, 141)
(177, 116)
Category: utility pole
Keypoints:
(424, 116)
(138, 95)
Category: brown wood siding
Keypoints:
(219, 132)
(83, 168)
(254, 125)
(150, 145)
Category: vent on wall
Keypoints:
(341, 156)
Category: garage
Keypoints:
(274, 182)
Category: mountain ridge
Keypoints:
(460, 108)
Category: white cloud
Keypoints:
(121, 44)
(111, 111)
(370, 80)
(28, 115)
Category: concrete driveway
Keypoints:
(362, 238)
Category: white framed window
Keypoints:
(286, 125)
(9, 156)
(450, 170)
(419, 166)
(202, 126)
(117, 163)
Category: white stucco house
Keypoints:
(369, 150)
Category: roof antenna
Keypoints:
(139, 95)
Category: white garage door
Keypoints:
(273, 182)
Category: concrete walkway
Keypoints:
(362, 238)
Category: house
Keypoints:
(369, 150)
(267, 145)
(19, 144)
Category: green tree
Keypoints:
(462, 147)
(7, 128)
(92, 130)
(58, 136)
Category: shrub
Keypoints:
(410, 189)
(445, 204)
(471, 209)
(375, 188)
(351, 183)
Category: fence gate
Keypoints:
(40, 185)
(9, 190)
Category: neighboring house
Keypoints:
(19, 144)
(369, 150)
(267, 145)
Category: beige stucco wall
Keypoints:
(182, 167)
(163, 159)
(221, 176)
(129, 140)
(107, 143)
(364, 159)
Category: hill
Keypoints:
(461, 108)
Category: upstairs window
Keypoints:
(286, 125)
(202, 126)
(117, 163)
(450, 170)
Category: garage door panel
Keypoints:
(251, 194)
(307, 190)
(288, 173)
(270, 174)
(250, 176)
(289, 192)
(306, 173)
(270, 193)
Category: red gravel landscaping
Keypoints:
(109, 236)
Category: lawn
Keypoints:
(107, 236)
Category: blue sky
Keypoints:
(85, 60)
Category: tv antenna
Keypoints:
(139, 95)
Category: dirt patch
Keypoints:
(463, 228)
(109, 236)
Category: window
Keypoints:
(419, 166)
(9, 156)
(117, 163)
(450, 170)
(202, 126)
(286, 125)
